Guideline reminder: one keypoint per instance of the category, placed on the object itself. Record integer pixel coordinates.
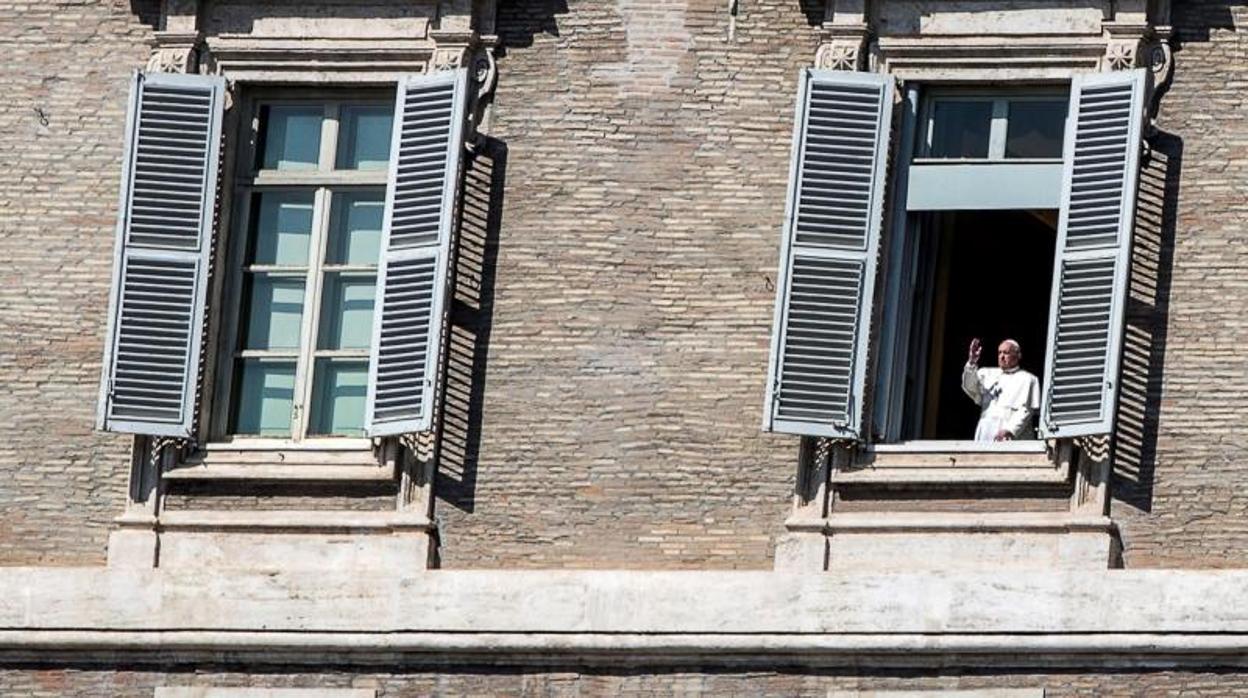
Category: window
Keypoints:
(338, 273)
(312, 205)
(975, 224)
(980, 125)
(986, 163)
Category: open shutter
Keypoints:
(416, 238)
(164, 227)
(1100, 176)
(828, 254)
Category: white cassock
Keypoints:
(1007, 400)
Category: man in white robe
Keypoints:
(1008, 396)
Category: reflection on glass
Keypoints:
(338, 392)
(961, 128)
(347, 311)
(355, 227)
(274, 312)
(364, 137)
(1035, 129)
(266, 391)
(291, 136)
(282, 227)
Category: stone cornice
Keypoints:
(1093, 619)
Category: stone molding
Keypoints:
(1077, 619)
(228, 39)
(175, 53)
(841, 54)
(933, 40)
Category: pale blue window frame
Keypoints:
(343, 173)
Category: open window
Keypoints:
(338, 270)
(1011, 214)
(981, 207)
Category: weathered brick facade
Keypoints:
(646, 165)
(1189, 511)
(574, 681)
(610, 335)
(60, 155)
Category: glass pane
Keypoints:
(274, 312)
(961, 128)
(347, 311)
(266, 391)
(355, 227)
(282, 227)
(338, 393)
(1036, 129)
(364, 137)
(291, 136)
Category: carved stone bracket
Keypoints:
(1122, 55)
(175, 53)
(448, 58)
(841, 54)
(1125, 44)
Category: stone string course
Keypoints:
(570, 682)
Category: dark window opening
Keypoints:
(985, 274)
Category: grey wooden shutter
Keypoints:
(416, 237)
(164, 229)
(828, 254)
(1101, 167)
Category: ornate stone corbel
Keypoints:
(453, 48)
(1159, 57)
(840, 54)
(846, 27)
(177, 44)
(448, 58)
(175, 54)
(1122, 55)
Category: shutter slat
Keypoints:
(164, 226)
(411, 289)
(827, 263)
(1094, 238)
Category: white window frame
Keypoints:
(248, 179)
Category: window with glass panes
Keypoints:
(310, 200)
(979, 126)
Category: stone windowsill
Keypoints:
(318, 460)
(960, 463)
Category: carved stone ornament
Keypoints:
(448, 58)
(172, 60)
(1120, 55)
(839, 55)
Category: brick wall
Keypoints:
(647, 158)
(66, 74)
(558, 682)
(623, 331)
(1184, 503)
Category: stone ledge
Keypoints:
(1077, 618)
(1140, 651)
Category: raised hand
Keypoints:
(972, 356)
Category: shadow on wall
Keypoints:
(815, 11)
(519, 21)
(472, 312)
(1147, 317)
(1195, 21)
(147, 12)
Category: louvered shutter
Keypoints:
(828, 254)
(1101, 168)
(164, 229)
(411, 290)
